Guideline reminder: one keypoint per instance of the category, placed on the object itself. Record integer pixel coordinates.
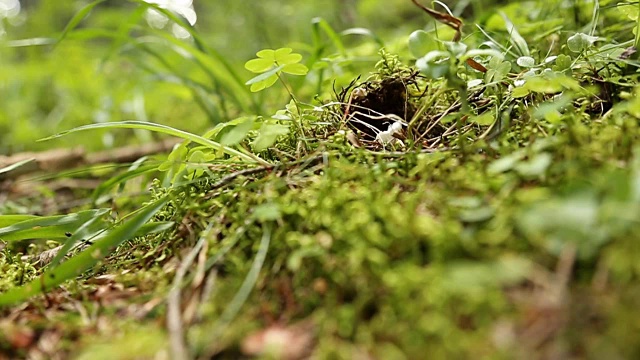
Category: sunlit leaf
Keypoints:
(258, 65)
(264, 83)
(295, 69)
(289, 59)
(420, 43)
(267, 54)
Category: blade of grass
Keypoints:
(121, 179)
(77, 18)
(201, 44)
(85, 231)
(86, 259)
(516, 39)
(239, 93)
(12, 167)
(320, 24)
(164, 130)
(8, 220)
(49, 227)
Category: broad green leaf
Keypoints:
(86, 259)
(7, 220)
(420, 43)
(457, 49)
(238, 133)
(485, 119)
(520, 92)
(289, 59)
(629, 9)
(49, 227)
(543, 85)
(295, 69)
(535, 166)
(259, 65)
(175, 158)
(505, 163)
(267, 54)
(563, 62)
(268, 134)
(282, 53)
(580, 42)
(557, 222)
(265, 83)
(195, 162)
(434, 65)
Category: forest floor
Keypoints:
(481, 202)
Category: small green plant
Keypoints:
(270, 64)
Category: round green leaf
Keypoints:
(520, 92)
(258, 65)
(267, 54)
(295, 69)
(289, 59)
(281, 53)
(263, 84)
(420, 43)
(580, 42)
(526, 62)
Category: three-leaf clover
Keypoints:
(270, 63)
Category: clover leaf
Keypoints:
(270, 64)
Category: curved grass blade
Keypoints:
(8, 220)
(212, 66)
(77, 18)
(121, 179)
(49, 227)
(31, 42)
(12, 167)
(320, 24)
(364, 32)
(86, 259)
(165, 130)
(198, 39)
(86, 231)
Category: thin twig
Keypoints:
(179, 348)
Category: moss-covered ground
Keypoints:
(500, 222)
